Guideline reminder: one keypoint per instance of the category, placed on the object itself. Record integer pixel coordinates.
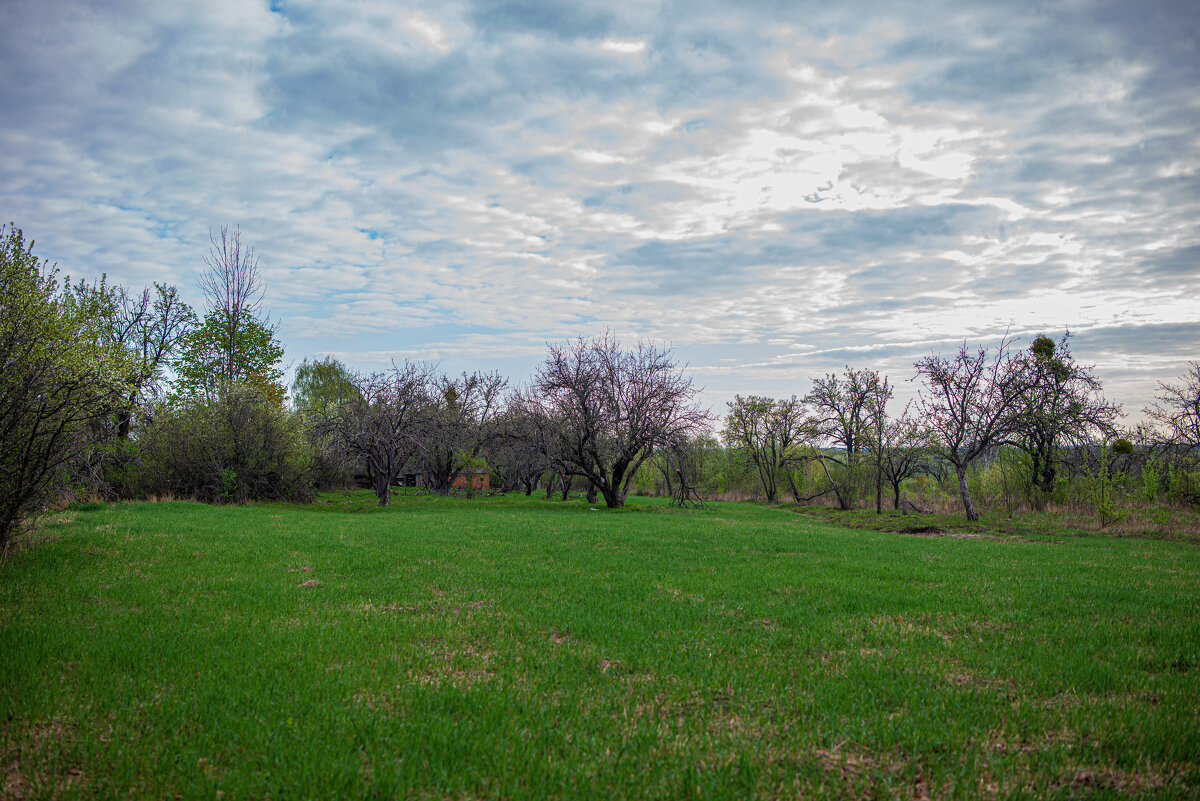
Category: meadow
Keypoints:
(512, 647)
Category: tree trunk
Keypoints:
(1047, 477)
(383, 488)
(613, 497)
(591, 492)
(896, 499)
(550, 485)
(567, 481)
(878, 486)
(528, 487)
(968, 506)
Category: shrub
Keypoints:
(237, 447)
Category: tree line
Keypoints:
(132, 394)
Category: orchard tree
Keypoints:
(766, 432)
(971, 403)
(842, 414)
(905, 451)
(456, 426)
(842, 407)
(879, 393)
(57, 376)
(381, 422)
(1060, 404)
(1175, 415)
(513, 447)
(616, 407)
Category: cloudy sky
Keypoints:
(776, 189)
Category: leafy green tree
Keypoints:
(57, 376)
(320, 390)
(235, 343)
(767, 433)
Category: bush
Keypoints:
(238, 447)
(57, 378)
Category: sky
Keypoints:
(775, 190)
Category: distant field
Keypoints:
(520, 648)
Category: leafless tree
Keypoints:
(842, 407)
(1175, 413)
(905, 451)
(615, 407)
(767, 432)
(150, 327)
(457, 425)
(381, 424)
(842, 415)
(1174, 420)
(971, 403)
(239, 336)
(1061, 404)
(512, 448)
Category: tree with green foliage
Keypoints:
(235, 342)
(766, 432)
(322, 385)
(319, 390)
(57, 376)
(236, 447)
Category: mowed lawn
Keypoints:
(521, 648)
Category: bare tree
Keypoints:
(1061, 404)
(233, 287)
(766, 431)
(150, 327)
(842, 411)
(842, 407)
(615, 408)
(905, 451)
(512, 447)
(1175, 413)
(971, 403)
(457, 425)
(381, 424)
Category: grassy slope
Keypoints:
(517, 648)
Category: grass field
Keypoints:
(522, 648)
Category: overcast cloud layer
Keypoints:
(777, 189)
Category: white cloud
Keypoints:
(796, 188)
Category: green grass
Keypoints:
(521, 648)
